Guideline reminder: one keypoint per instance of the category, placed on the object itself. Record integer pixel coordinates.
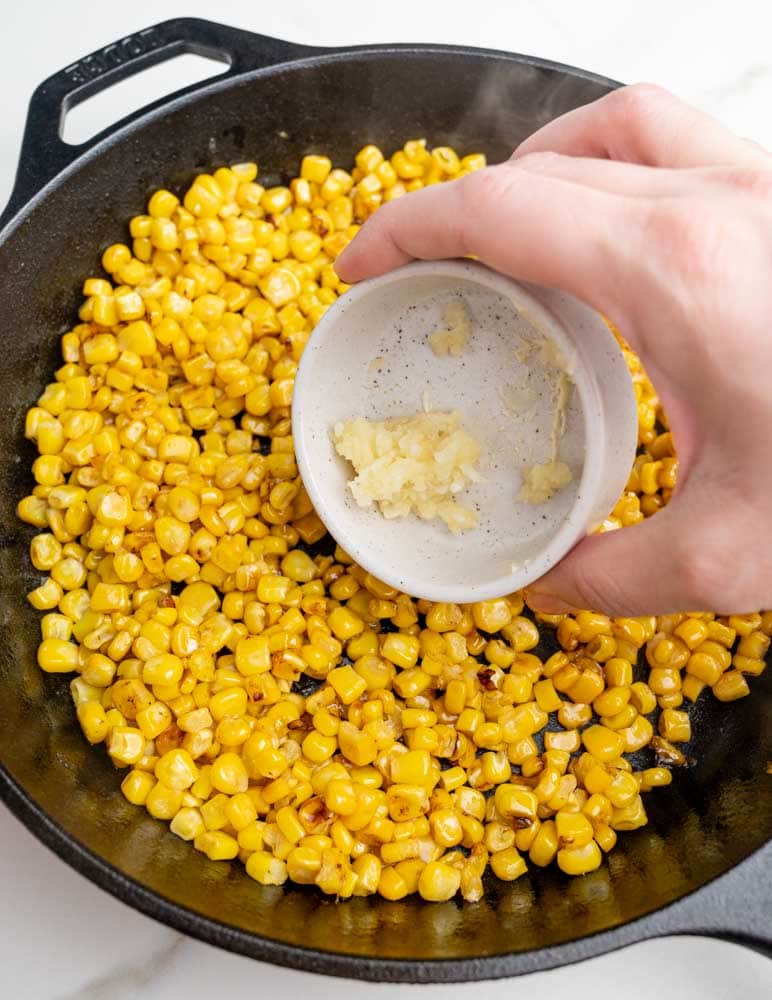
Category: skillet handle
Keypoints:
(44, 154)
(736, 907)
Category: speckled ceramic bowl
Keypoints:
(369, 357)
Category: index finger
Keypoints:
(644, 124)
(534, 227)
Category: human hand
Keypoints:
(661, 219)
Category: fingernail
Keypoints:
(547, 604)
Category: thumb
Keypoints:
(640, 570)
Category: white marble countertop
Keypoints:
(61, 938)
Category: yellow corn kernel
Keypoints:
(604, 744)
(57, 656)
(412, 768)
(630, 816)
(731, 686)
(401, 650)
(545, 844)
(136, 786)
(347, 683)
(391, 884)
(514, 801)
(264, 868)
(93, 721)
(579, 860)
(407, 802)
(507, 864)
(491, 616)
(439, 882)
(253, 655)
(217, 846)
(228, 774)
(546, 696)
(674, 726)
(125, 745)
(176, 769)
(45, 597)
(340, 797)
(358, 747)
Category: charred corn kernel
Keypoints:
(391, 884)
(513, 801)
(367, 868)
(55, 626)
(93, 721)
(407, 802)
(446, 828)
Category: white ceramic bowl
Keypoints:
(389, 318)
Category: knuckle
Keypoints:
(484, 187)
(702, 559)
(536, 160)
(755, 182)
(599, 589)
(639, 99)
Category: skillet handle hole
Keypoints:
(98, 112)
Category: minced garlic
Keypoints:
(542, 482)
(454, 336)
(411, 465)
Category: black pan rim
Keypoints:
(369, 968)
(84, 153)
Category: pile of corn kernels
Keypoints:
(264, 695)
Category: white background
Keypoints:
(60, 937)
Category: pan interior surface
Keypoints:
(715, 813)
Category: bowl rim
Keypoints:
(579, 516)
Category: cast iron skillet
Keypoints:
(699, 867)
